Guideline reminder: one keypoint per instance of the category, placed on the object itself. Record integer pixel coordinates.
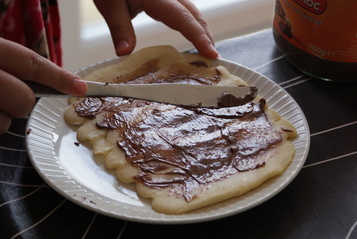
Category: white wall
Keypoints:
(85, 45)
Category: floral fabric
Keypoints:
(34, 24)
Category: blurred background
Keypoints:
(86, 38)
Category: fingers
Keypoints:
(27, 65)
(118, 18)
(183, 16)
(204, 46)
(18, 62)
(180, 15)
(198, 16)
(5, 121)
(16, 99)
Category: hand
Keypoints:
(180, 15)
(18, 62)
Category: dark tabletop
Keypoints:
(321, 202)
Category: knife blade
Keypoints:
(178, 94)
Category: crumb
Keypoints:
(287, 130)
(199, 64)
(28, 131)
(87, 200)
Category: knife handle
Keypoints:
(42, 90)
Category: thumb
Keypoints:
(118, 19)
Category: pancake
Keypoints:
(183, 158)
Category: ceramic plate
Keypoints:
(71, 169)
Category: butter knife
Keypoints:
(178, 94)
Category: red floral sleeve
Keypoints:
(34, 24)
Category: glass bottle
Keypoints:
(318, 37)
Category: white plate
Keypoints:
(73, 172)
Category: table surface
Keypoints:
(319, 203)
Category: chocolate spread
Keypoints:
(185, 148)
(175, 73)
(228, 100)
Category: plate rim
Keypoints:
(86, 198)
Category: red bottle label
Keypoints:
(314, 6)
